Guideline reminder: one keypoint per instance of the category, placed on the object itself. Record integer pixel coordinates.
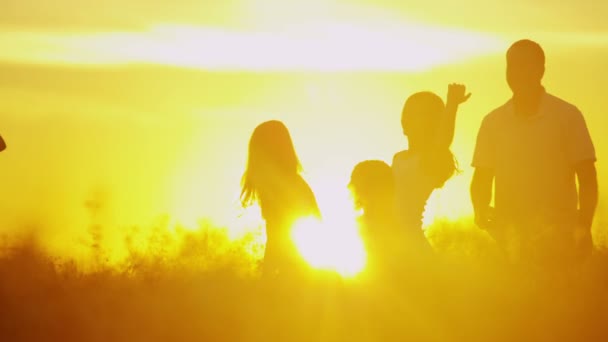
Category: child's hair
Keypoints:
(372, 182)
(421, 119)
(271, 158)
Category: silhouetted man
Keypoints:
(530, 152)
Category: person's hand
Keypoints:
(583, 242)
(485, 219)
(457, 94)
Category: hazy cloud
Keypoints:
(333, 47)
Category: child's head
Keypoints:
(421, 119)
(371, 184)
(271, 157)
(421, 115)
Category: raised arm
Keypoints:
(2, 144)
(481, 195)
(456, 96)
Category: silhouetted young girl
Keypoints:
(272, 180)
(428, 163)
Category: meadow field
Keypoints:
(127, 121)
(201, 285)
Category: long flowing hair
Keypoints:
(271, 159)
(421, 120)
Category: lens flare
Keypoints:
(337, 247)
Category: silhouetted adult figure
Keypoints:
(2, 144)
(529, 153)
(272, 179)
(428, 163)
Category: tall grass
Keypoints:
(180, 285)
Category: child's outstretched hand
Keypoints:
(456, 94)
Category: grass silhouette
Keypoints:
(203, 286)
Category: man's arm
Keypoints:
(481, 195)
(588, 193)
(2, 144)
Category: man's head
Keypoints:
(525, 67)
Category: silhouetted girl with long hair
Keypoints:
(272, 180)
(428, 163)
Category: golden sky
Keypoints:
(513, 16)
(152, 102)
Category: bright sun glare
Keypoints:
(332, 247)
(332, 243)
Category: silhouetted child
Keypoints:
(372, 187)
(272, 180)
(428, 163)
